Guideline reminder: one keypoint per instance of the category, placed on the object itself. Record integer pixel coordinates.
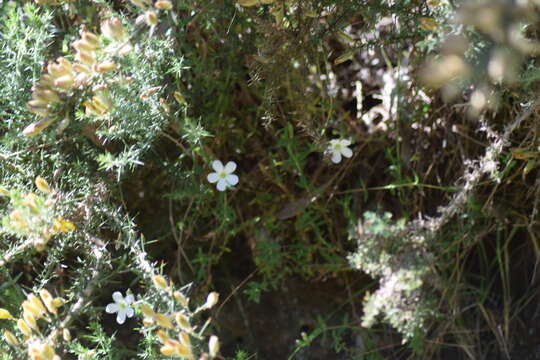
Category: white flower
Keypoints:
(121, 306)
(224, 175)
(337, 148)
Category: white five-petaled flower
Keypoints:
(223, 175)
(122, 306)
(337, 148)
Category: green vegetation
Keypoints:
(268, 179)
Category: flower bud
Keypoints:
(5, 314)
(179, 97)
(163, 5)
(248, 3)
(47, 298)
(164, 105)
(30, 201)
(66, 335)
(37, 127)
(159, 281)
(141, 3)
(23, 326)
(82, 68)
(211, 300)
(28, 307)
(65, 64)
(33, 299)
(183, 321)
(213, 346)
(91, 109)
(184, 339)
(57, 70)
(162, 336)
(43, 186)
(45, 80)
(149, 92)
(113, 29)
(174, 348)
(150, 17)
(65, 82)
(37, 103)
(91, 38)
(10, 338)
(57, 302)
(168, 350)
(127, 48)
(106, 66)
(81, 45)
(102, 100)
(47, 95)
(85, 57)
(30, 320)
(163, 321)
(40, 111)
(147, 310)
(181, 299)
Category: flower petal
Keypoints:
(130, 312)
(112, 308)
(346, 152)
(217, 165)
(213, 177)
(230, 167)
(222, 185)
(121, 317)
(117, 296)
(232, 179)
(336, 157)
(129, 299)
(345, 142)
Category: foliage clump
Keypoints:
(387, 251)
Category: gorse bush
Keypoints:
(157, 154)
